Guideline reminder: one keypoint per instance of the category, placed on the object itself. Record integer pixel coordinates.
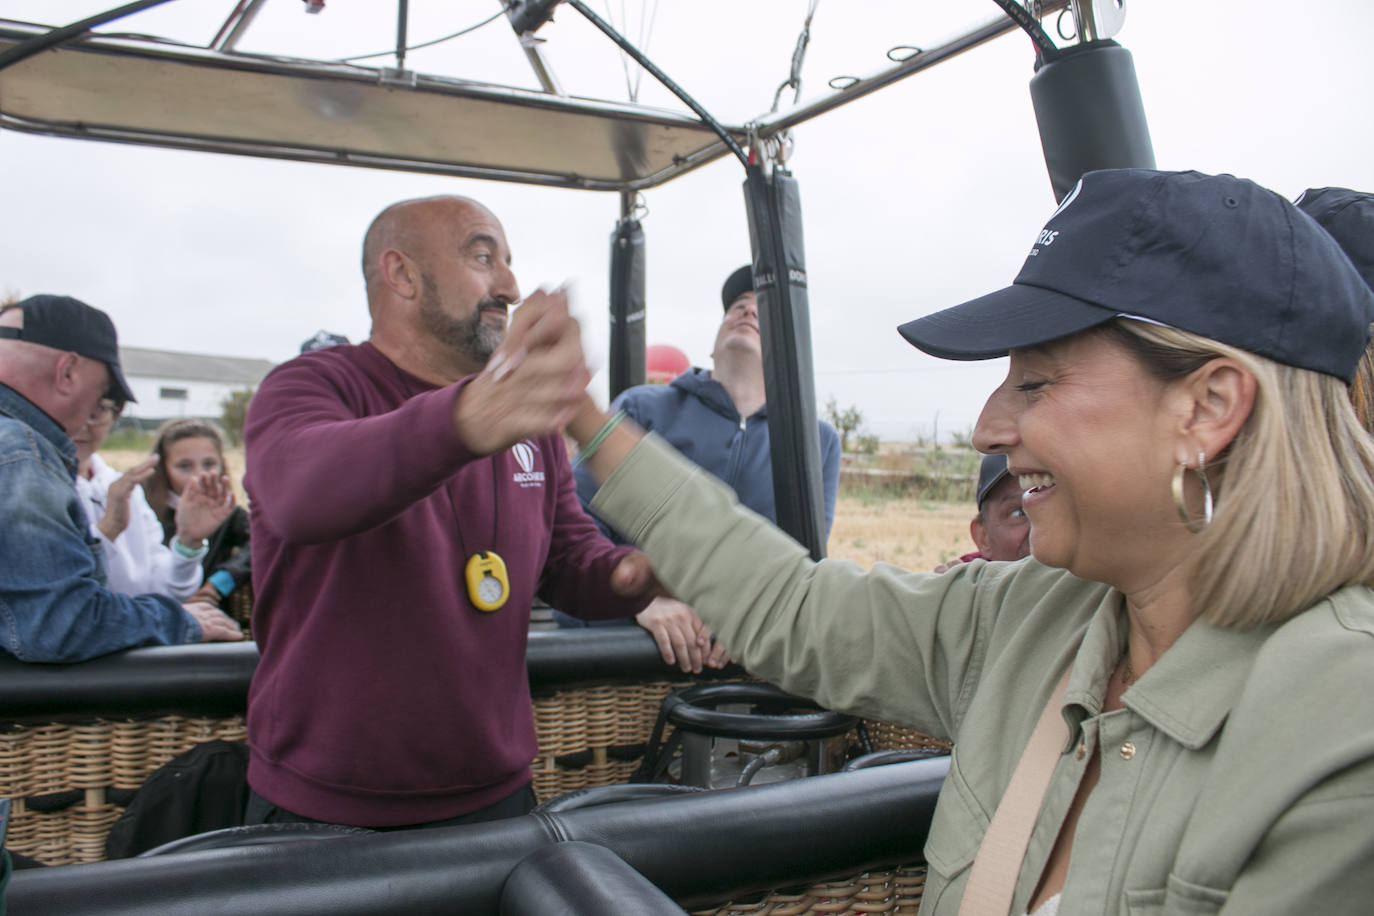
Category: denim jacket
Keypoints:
(54, 604)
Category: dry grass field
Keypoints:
(908, 532)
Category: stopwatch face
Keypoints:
(489, 589)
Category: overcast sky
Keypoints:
(920, 196)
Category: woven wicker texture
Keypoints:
(897, 892)
(886, 736)
(589, 736)
(239, 605)
(66, 769)
(599, 732)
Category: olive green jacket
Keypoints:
(1238, 778)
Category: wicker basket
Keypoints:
(239, 605)
(68, 779)
(885, 736)
(593, 736)
(896, 892)
(60, 777)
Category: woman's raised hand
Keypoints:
(204, 505)
(116, 517)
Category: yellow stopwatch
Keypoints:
(488, 584)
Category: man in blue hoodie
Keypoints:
(717, 418)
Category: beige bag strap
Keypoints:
(992, 880)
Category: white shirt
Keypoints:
(137, 561)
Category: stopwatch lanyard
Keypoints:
(488, 585)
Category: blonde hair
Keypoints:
(1362, 387)
(1294, 490)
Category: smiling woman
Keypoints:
(1201, 499)
(190, 459)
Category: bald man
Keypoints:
(411, 494)
(58, 358)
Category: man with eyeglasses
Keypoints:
(58, 358)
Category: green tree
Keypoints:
(845, 421)
(233, 410)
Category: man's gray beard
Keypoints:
(470, 336)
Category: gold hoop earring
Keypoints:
(1193, 524)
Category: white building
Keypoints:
(170, 384)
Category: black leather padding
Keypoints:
(893, 755)
(694, 709)
(700, 849)
(606, 795)
(211, 679)
(581, 879)
(253, 835)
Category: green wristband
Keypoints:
(187, 552)
(590, 448)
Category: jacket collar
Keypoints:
(1191, 689)
(15, 405)
(1187, 694)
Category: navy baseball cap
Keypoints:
(990, 473)
(1216, 255)
(71, 325)
(322, 340)
(738, 283)
(1348, 216)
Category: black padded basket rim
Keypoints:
(682, 709)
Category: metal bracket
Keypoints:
(1097, 19)
(389, 76)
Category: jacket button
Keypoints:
(1078, 754)
(1127, 751)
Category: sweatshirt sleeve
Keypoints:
(137, 562)
(901, 646)
(168, 572)
(577, 574)
(318, 471)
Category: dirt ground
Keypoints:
(906, 532)
(910, 533)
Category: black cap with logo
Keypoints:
(71, 325)
(1216, 255)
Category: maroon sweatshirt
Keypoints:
(383, 696)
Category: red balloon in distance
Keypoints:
(663, 363)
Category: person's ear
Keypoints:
(1217, 400)
(65, 375)
(399, 273)
(979, 533)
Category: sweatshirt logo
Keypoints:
(527, 476)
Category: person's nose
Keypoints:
(504, 286)
(996, 429)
